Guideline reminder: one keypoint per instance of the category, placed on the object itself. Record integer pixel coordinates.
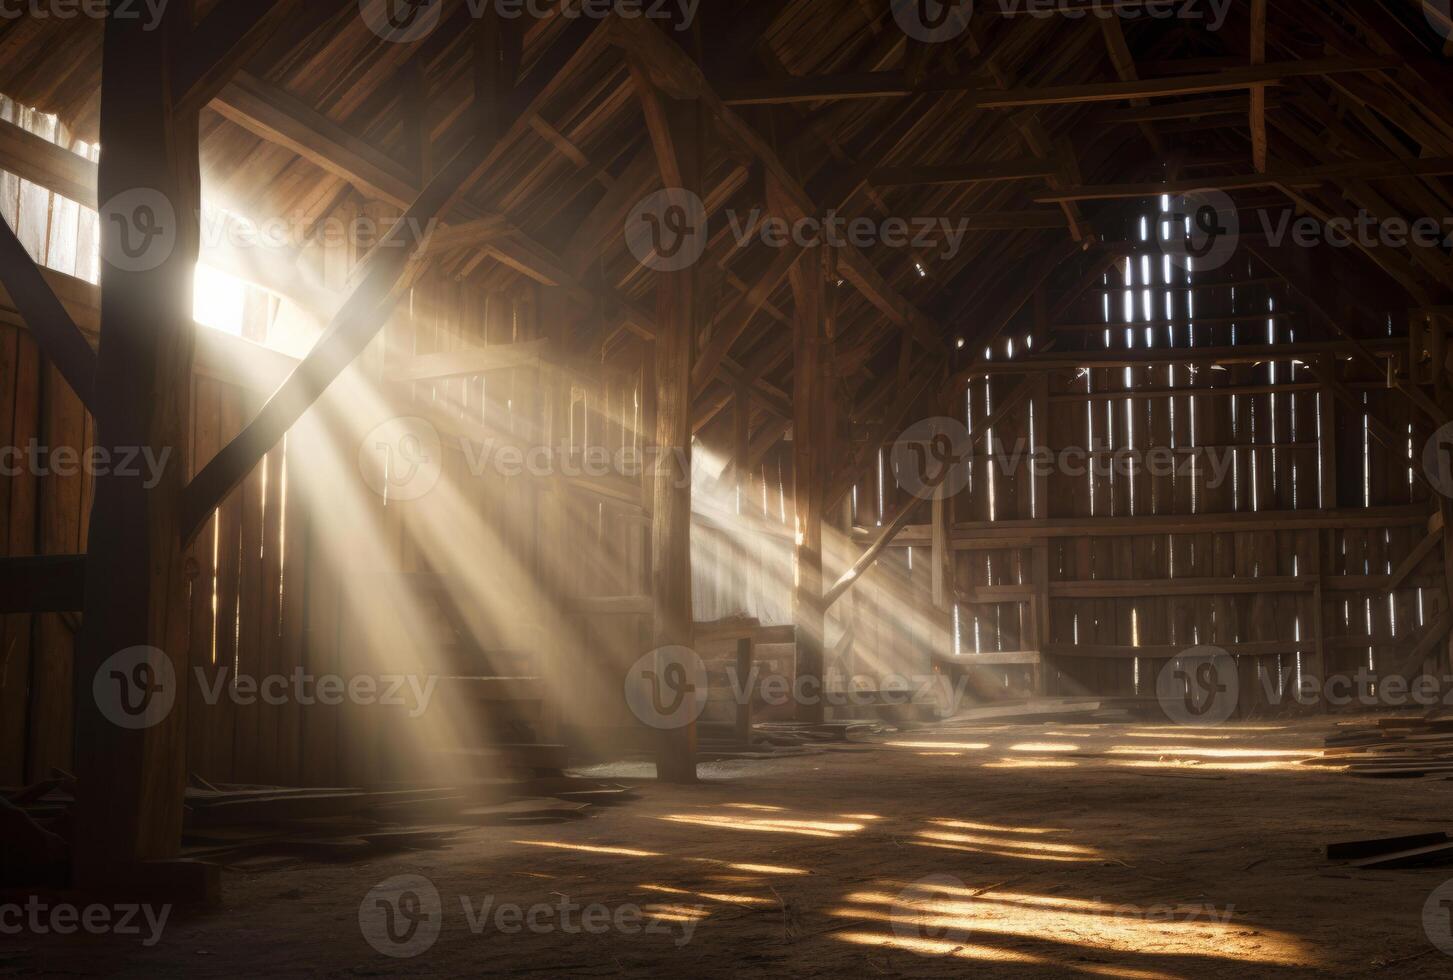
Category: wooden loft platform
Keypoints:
(524, 353)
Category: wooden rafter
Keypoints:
(224, 42)
(366, 308)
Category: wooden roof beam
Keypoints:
(220, 45)
(894, 84)
(1307, 177)
(974, 172)
(1158, 88)
(367, 306)
(1258, 92)
(57, 335)
(679, 76)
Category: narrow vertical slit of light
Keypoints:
(1033, 483)
(1366, 453)
(1235, 455)
(1321, 437)
(989, 451)
(1135, 642)
(880, 487)
(1090, 438)
(282, 534)
(216, 579)
(1297, 662)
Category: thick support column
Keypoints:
(677, 302)
(810, 452)
(131, 662)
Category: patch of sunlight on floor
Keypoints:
(1197, 764)
(996, 852)
(1213, 753)
(967, 746)
(726, 898)
(1007, 763)
(675, 913)
(1027, 845)
(992, 827)
(1044, 747)
(591, 848)
(760, 869)
(806, 828)
(930, 919)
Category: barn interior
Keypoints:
(736, 488)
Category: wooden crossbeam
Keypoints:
(895, 84)
(1258, 92)
(470, 361)
(1430, 639)
(1158, 88)
(680, 77)
(886, 535)
(224, 42)
(820, 88)
(42, 162)
(60, 340)
(367, 307)
(990, 172)
(272, 114)
(1415, 558)
(1308, 177)
(734, 322)
(1356, 347)
(49, 583)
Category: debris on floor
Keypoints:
(1397, 748)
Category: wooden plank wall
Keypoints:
(274, 567)
(1283, 450)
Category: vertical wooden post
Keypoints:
(1439, 349)
(940, 556)
(677, 302)
(1039, 621)
(744, 686)
(1318, 667)
(742, 441)
(808, 435)
(1327, 431)
(130, 765)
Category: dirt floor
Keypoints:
(1014, 851)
